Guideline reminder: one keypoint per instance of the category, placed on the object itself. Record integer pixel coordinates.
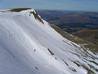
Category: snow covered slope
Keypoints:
(28, 45)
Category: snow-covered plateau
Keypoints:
(29, 45)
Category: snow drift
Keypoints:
(28, 45)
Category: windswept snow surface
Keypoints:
(28, 45)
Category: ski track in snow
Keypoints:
(30, 46)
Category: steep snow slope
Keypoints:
(28, 45)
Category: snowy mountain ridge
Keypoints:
(29, 45)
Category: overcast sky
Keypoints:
(85, 5)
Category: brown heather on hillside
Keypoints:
(90, 35)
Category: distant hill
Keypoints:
(71, 21)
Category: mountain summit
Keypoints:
(29, 45)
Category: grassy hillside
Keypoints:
(83, 43)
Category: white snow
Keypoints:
(26, 47)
